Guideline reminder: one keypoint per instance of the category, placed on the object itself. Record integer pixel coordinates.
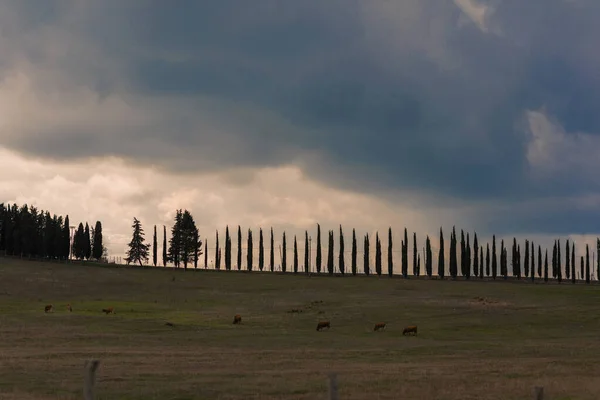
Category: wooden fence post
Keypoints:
(539, 393)
(90, 378)
(333, 388)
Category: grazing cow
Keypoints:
(410, 329)
(379, 326)
(109, 310)
(69, 308)
(323, 325)
(237, 319)
(48, 308)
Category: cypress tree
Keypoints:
(441, 266)
(390, 255)
(573, 265)
(494, 259)
(99, 243)
(284, 258)
(164, 253)
(306, 254)
(330, 254)
(415, 253)
(341, 261)
(227, 249)
(272, 253)
(463, 248)
(558, 262)
(598, 258)
(261, 250)
(582, 267)
(154, 248)
(488, 273)
(526, 272)
(532, 271)
(429, 256)
(468, 258)
(87, 242)
(503, 265)
(249, 253)
(366, 256)
(546, 266)
(205, 254)
(514, 257)
(554, 274)
(587, 263)
(567, 261)
(354, 252)
(405, 254)
(318, 262)
(377, 254)
(419, 263)
(481, 262)
(475, 255)
(539, 269)
(217, 252)
(453, 255)
(239, 249)
(295, 255)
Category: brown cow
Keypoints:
(237, 319)
(410, 329)
(323, 324)
(48, 308)
(379, 326)
(109, 310)
(69, 308)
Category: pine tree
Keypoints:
(197, 245)
(272, 253)
(354, 253)
(366, 267)
(330, 253)
(415, 254)
(306, 254)
(261, 251)
(318, 260)
(98, 248)
(587, 263)
(164, 255)
(189, 242)
(284, 257)
(175, 241)
(249, 255)
(341, 261)
(526, 272)
(377, 254)
(390, 255)
(295, 255)
(475, 255)
(239, 248)
(138, 250)
(494, 259)
(441, 264)
(227, 249)
(154, 249)
(546, 266)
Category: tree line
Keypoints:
(28, 232)
(475, 260)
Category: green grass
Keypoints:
(526, 335)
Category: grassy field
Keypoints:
(519, 336)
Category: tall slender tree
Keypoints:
(249, 255)
(354, 253)
(587, 263)
(98, 247)
(366, 267)
(532, 271)
(487, 261)
(284, 257)
(164, 252)
(261, 250)
(390, 254)
(514, 261)
(503, 266)
(475, 255)
(468, 258)
(217, 252)
(415, 254)
(87, 242)
(494, 259)
(405, 254)
(453, 255)
(154, 248)
(481, 262)
(526, 272)
(227, 249)
(138, 250)
(197, 246)
(295, 255)
(546, 266)
(441, 266)
(318, 260)
(539, 261)
(554, 261)
(306, 253)
(272, 253)
(341, 261)
(567, 261)
(239, 248)
(581, 267)
(330, 253)
(428, 258)
(463, 248)
(558, 262)
(205, 254)
(377, 254)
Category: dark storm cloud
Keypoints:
(420, 101)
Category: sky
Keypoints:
(479, 114)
